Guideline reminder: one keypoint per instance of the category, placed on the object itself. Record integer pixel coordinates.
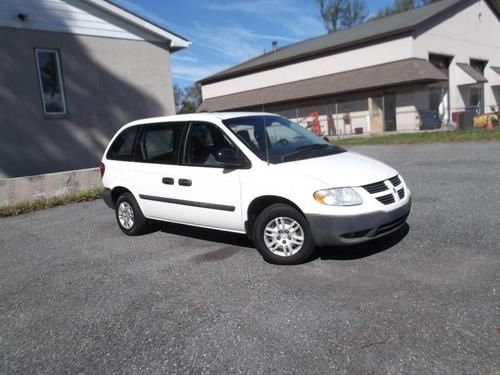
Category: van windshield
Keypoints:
(275, 139)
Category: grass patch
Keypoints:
(473, 135)
(40, 204)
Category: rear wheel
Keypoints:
(282, 235)
(129, 216)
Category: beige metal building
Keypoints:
(413, 70)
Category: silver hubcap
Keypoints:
(126, 215)
(283, 236)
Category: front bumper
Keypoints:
(348, 230)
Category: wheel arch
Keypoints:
(259, 204)
(117, 191)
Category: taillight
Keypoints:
(102, 168)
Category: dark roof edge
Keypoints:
(473, 73)
(428, 23)
(346, 92)
(495, 8)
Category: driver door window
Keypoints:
(203, 142)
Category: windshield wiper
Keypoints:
(309, 148)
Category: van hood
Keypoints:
(344, 169)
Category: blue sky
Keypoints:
(227, 32)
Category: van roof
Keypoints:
(204, 116)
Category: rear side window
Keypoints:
(123, 146)
(159, 143)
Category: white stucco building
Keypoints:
(413, 70)
(72, 72)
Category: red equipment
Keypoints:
(312, 121)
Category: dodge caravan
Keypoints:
(253, 173)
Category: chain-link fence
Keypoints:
(410, 110)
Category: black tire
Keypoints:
(288, 216)
(139, 223)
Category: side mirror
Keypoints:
(227, 157)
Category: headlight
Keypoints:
(338, 197)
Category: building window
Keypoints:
(475, 97)
(51, 88)
(442, 62)
(479, 65)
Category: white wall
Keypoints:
(471, 33)
(408, 108)
(73, 16)
(355, 59)
(406, 111)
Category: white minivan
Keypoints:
(253, 173)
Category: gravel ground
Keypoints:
(77, 296)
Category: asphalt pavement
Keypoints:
(79, 297)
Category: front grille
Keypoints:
(376, 187)
(401, 193)
(379, 187)
(395, 181)
(386, 199)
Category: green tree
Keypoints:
(496, 4)
(354, 13)
(341, 14)
(188, 99)
(403, 5)
(178, 95)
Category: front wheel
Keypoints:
(282, 235)
(129, 216)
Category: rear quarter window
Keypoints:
(123, 145)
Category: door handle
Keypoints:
(185, 182)
(167, 180)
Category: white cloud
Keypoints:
(234, 43)
(254, 7)
(186, 58)
(246, 33)
(287, 13)
(195, 73)
(306, 26)
(221, 46)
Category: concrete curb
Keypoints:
(30, 188)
